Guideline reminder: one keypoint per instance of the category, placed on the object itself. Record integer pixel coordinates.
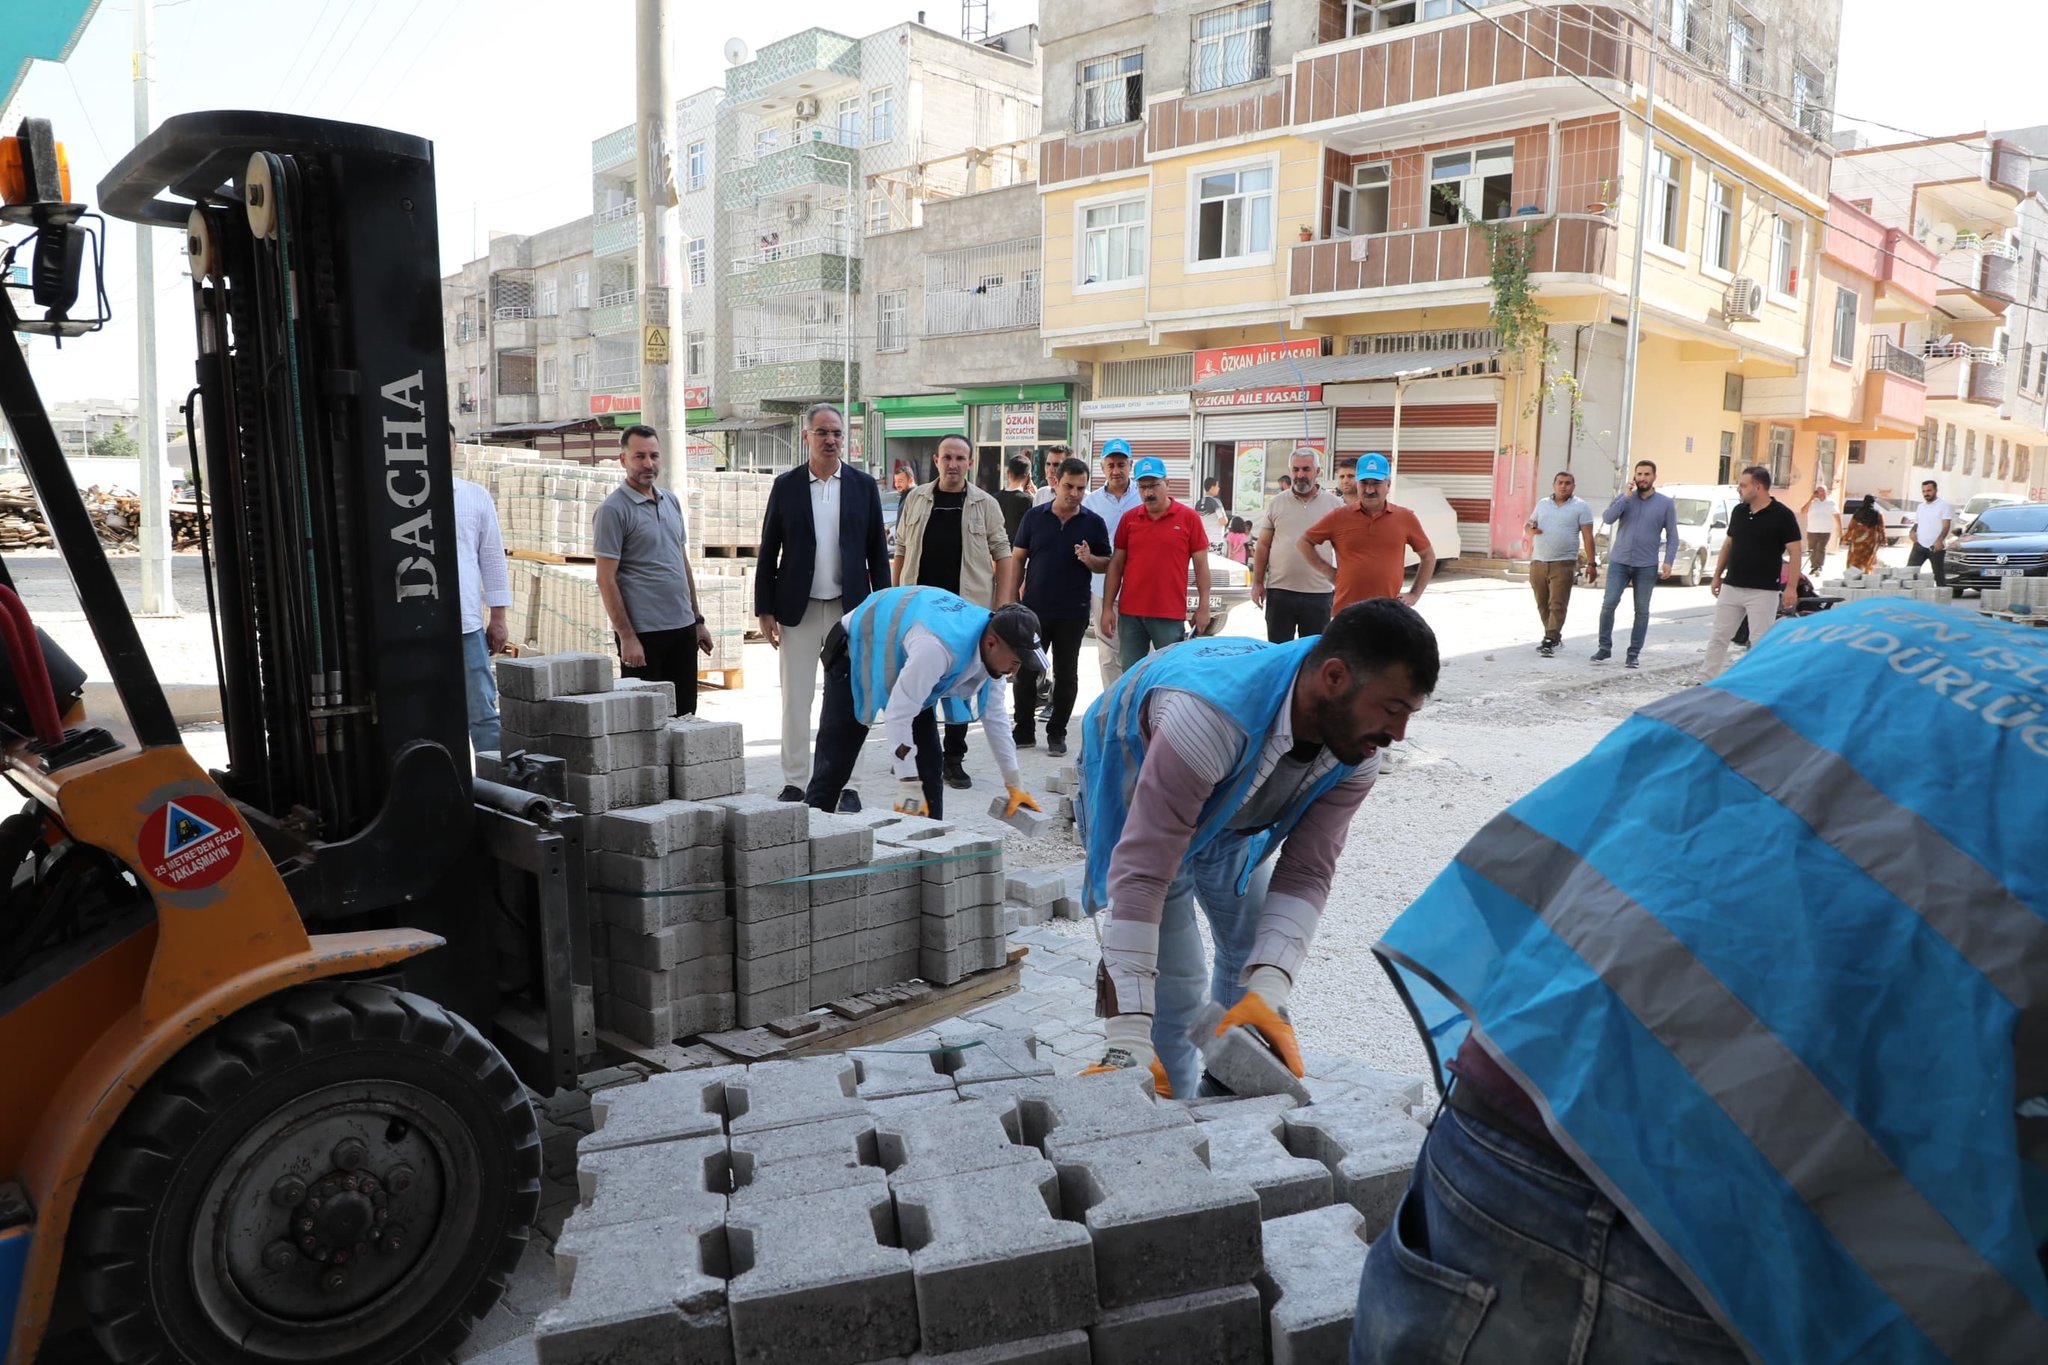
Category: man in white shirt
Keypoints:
(485, 586)
(1822, 520)
(1932, 521)
(1117, 496)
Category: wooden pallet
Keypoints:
(729, 551)
(549, 557)
(729, 679)
(2031, 618)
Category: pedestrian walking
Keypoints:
(1059, 547)
(1371, 539)
(1642, 517)
(1116, 496)
(1758, 571)
(1227, 773)
(902, 657)
(486, 591)
(950, 535)
(1823, 522)
(643, 573)
(1209, 507)
(823, 550)
(1294, 589)
(1865, 535)
(1933, 519)
(1562, 527)
(1145, 591)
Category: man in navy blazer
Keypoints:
(823, 550)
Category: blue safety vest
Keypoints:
(875, 631)
(1772, 961)
(1248, 680)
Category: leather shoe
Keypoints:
(956, 774)
(849, 801)
(795, 794)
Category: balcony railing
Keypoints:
(982, 289)
(617, 211)
(768, 142)
(1998, 276)
(615, 313)
(748, 355)
(617, 374)
(831, 242)
(620, 234)
(1570, 244)
(2010, 167)
(1947, 349)
(1888, 358)
(1987, 380)
(613, 149)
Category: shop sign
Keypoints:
(697, 396)
(605, 404)
(1257, 398)
(1229, 359)
(1020, 428)
(1148, 405)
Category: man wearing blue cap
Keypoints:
(1144, 594)
(1370, 540)
(1110, 502)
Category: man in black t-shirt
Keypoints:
(1752, 578)
(1016, 498)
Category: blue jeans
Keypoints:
(1185, 980)
(1619, 576)
(1501, 1254)
(482, 691)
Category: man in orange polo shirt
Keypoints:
(1370, 540)
(1144, 594)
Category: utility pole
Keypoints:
(1625, 448)
(661, 277)
(155, 538)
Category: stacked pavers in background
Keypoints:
(872, 1206)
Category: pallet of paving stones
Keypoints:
(954, 1202)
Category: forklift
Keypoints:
(269, 1034)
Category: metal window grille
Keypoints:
(982, 289)
(1232, 46)
(890, 308)
(1112, 91)
(1145, 376)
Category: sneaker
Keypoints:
(1547, 650)
(849, 802)
(792, 794)
(1632, 662)
(956, 774)
(1024, 741)
(1057, 748)
(1601, 656)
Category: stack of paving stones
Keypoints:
(661, 930)
(951, 1204)
(613, 737)
(767, 862)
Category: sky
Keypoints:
(512, 92)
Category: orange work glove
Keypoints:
(1019, 797)
(1258, 1012)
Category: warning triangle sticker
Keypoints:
(182, 829)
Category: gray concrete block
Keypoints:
(685, 867)
(1069, 908)
(892, 970)
(804, 1159)
(909, 829)
(943, 967)
(948, 933)
(638, 710)
(880, 908)
(1001, 1055)
(524, 679)
(893, 868)
(1239, 1062)
(693, 740)
(654, 988)
(900, 1068)
(963, 893)
(833, 954)
(1063, 780)
(820, 1281)
(752, 904)
(1370, 1153)
(1061, 1348)
(591, 794)
(754, 821)
(709, 941)
(643, 1292)
(707, 781)
(835, 983)
(1225, 1108)
(991, 1258)
(522, 717)
(489, 766)
(834, 918)
(903, 938)
(642, 831)
(995, 952)
(839, 841)
(580, 671)
(656, 1024)
(649, 912)
(682, 1104)
(1026, 821)
(656, 1180)
(774, 863)
(1220, 1327)
(935, 1143)
(1309, 1287)
(1163, 1223)
(755, 975)
(579, 717)
(1037, 887)
(1060, 1111)
(905, 1104)
(756, 940)
(841, 886)
(642, 786)
(756, 1008)
(605, 753)
(1249, 1148)
(666, 691)
(780, 1094)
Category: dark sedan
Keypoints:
(2005, 542)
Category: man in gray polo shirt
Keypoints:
(1562, 525)
(644, 576)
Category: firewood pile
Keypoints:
(116, 514)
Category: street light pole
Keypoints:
(1631, 357)
(155, 532)
(660, 254)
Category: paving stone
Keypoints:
(642, 912)
(962, 892)
(894, 868)
(1061, 1348)
(839, 841)
(831, 955)
(1037, 887)
(663, 1024)
(683, 1104)
(708, 781)
(753, 903)
(656, 1180)
(758, 939)
(664, 948)
(900, 939)
(1001, 1055)
(781, 1094)
(607, 753)
(1162, 1222)
(820, 1281)
(693, 740)
(804, 1159)
(943, 967)
(836, 981)
(1031, 823)
(1370, 1153)
(775, 863)
(1309, 1286)
(1220, 1327)
(664, 690)
(684, 867)
(931, 1144)
(755, 822)
(655, 988)
(1249, 1148)
(579, 717)
(1061, 1111)
(576, 672)
(525, 679)
(756, 1008)
(993, 1262)
(833, 918)
(1239, 1062)
(638, 1292)
(907, 1104)
(841, 885)
(1223, 1108)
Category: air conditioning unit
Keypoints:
(807, 107)
(1742, 301)
(798, 212)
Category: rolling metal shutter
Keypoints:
(1449, 446)
(1168, 438)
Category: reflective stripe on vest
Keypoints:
(875, 634)
(1763, 975)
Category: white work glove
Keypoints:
(1128, 1044)
(1271, 985)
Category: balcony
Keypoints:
(613, 150)
(795, 169)
(2009, 168)
(1894, 391)
(615, 313)
(617, 374)
(818, 262)
(799, 65)
(1987, 381)
(616, 229)
(1979, 275)
(512, 409)
(1569, 245)
(1958, 372)
(791, 372)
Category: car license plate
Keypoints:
(1193, 602)
(2006, 572)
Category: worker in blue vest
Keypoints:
(899, 656)
(1744, 1026)
(1225, 772)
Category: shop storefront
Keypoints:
(1006, 426)
(1449, 439)
(1160, 425)
(1246, 436)
(908, 433)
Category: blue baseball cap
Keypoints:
(1373, 465)
(1151, 467)
(1116, 445)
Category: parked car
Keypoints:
(1439, 521)
(1979, 505)
(1898, 520)
(2007, 541)
(1702, 510)
(1230, 587)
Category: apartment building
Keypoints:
(519, 341)
(1278, 222)
(954, 307)
(1982, 341)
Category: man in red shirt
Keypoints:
(1144, 594)
(1370, 539)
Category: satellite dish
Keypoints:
(736, 51)
(1942, 236)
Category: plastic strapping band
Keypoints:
(707, 888)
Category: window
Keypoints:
(1113, 242)
(1667, 224)
(2004, 459)
(463, 401)
(881, 115)
(1680, 26)
(879, 216)
(1745, 52)
(1781, 456)
(1948, 447)
(1375, 16)
(766, 140)
(2041, 370)
(1720, 248)
(1232, 45)
(1860, 205)
(1480, 182)
(1808, 105)
(694, 162)
(891, 306)
(1824, 460)
(849, 121)
(1970, 452)
(694, 254)
(1235, 215)
(1785, 242)
(1112, 91)
(550, 374)
(2022, 463)
(548, 300)
(1858, 452)
(693, 354)
(1924, 444)
(580, 289)
(1845, 326)
(1372, 202)
(579, 370)
(2034, 280)
(1802, 95)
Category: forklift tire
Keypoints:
(342, 1174)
